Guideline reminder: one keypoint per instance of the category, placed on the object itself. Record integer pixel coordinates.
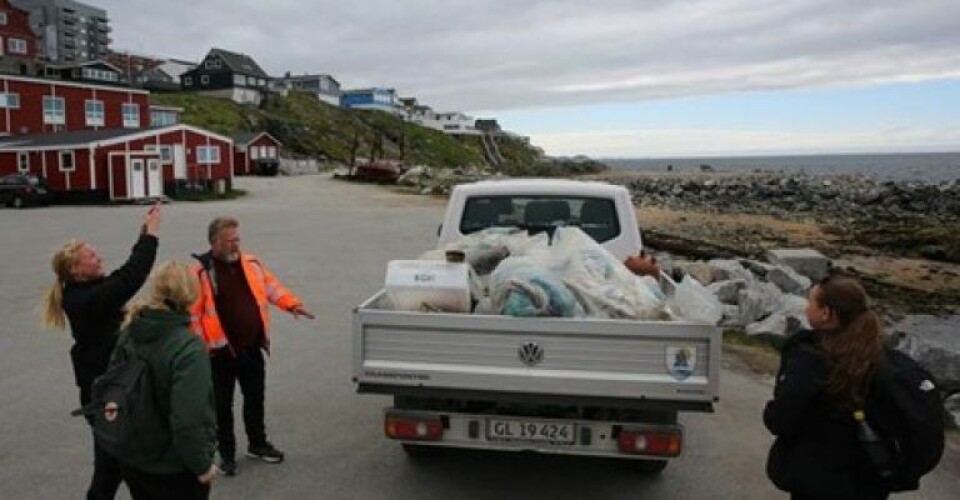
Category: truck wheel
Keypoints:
(650, 467)
(16, 202)
(419, 451)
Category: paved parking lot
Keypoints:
(329, 242)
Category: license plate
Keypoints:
(527, 430)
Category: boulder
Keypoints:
(728, 269)
(758, 301)
(728, 292)
(933, 342)
(759, 269)
(952, 406)
(788, 280)
(731, 317)
(805, 261)
(788, 318)
(699, 271)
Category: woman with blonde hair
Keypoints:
(157, 331)
(823, 379)
(92, 302)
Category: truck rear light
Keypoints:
(413, 428)
(649, 442)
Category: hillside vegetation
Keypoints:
(309, 127)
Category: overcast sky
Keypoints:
(608, 77)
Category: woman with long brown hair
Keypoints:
(92, 302)
(823, 378)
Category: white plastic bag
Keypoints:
(603, 285)
(691, 301)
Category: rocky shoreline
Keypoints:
(900, 218)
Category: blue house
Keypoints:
(373, 98)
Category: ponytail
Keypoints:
(53, 315)
(856, 347)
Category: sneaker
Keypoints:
(228, 466)
(266, 452)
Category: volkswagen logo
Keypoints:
(530, 353)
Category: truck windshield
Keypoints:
(595, 216)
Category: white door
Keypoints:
(179, 162)
(137, 180)
(154, 179)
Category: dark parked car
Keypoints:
(20, 190)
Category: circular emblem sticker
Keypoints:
(110, 411)
(681, 361)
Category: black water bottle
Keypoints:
(873, 445)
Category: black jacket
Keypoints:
(816, 453)
(95, 311)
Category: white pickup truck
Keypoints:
(576, 386)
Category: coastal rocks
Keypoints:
(805, 261)
(952, 405)
(724, 269)
(789, 280)
(728, 291)
(849, 202)
(788, 318)
(934, 343)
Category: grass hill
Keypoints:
(309, 127)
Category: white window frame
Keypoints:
(212, 63)
(239, 80)
(188, 80)
(95, 119)
(272, 152)
(3, 18)
(208, 155)
(54, 116)
(23, 161)
(130, 120)
(254, 153)
(204, 79)
(7, 97)
(73, 160)
(17, 46)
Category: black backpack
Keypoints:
(127, 422)
(905, 406)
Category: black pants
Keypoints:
(179, 486)
(247, 369)
(106, 469)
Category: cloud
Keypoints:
(506, 54)
(715, 142)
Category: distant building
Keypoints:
(454, 123)
(36, 106)
(164, 116)
(69, 31)
(489, 126)
(381, 99)
(99, 72)
(19, 44)
(227, 74)
(256, 153)
(325, 87)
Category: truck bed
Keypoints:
(584, 359)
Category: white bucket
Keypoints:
(428, 285)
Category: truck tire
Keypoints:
(16, 202)
(419, 451)
(650, 467)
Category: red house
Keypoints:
(256, 153)
(35, 105)
(18, 43)
(116, 165)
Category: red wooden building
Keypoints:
(35, 106)
(256, 153)
(121, 164)
(19, 45)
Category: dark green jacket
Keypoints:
(183, 387)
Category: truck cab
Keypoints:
(604, 211)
